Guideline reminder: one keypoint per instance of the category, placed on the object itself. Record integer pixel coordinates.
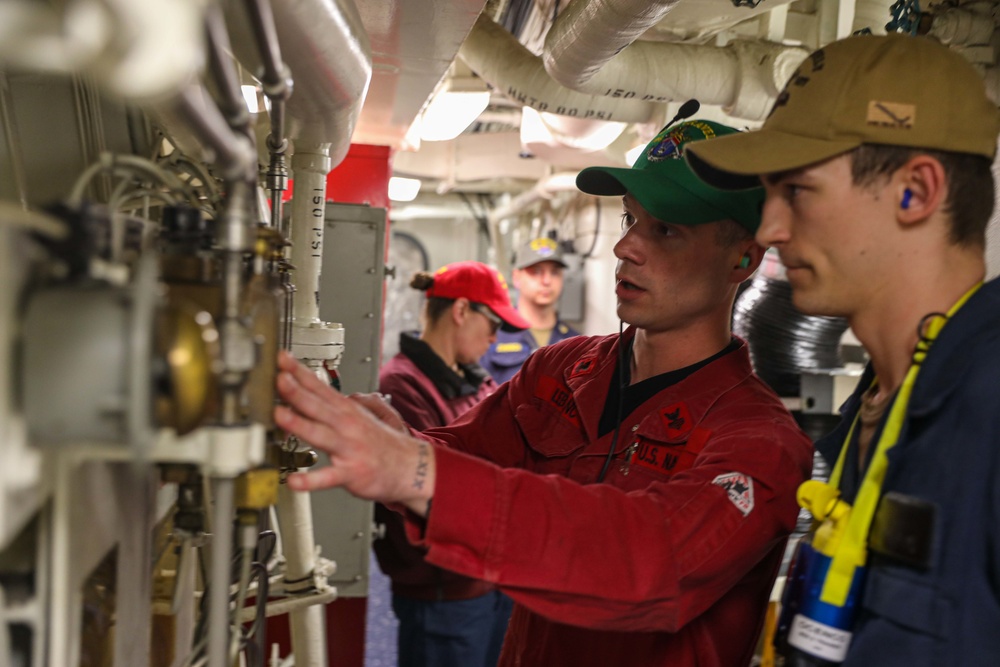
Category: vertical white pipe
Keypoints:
(61, 647)
(223, 489)
(310, 165)
(298, 545)
(774, 23)
(835, 20)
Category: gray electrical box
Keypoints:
(351, 292)
(352, 288)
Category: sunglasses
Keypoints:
(495, 321)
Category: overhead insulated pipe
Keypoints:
(743, 77)
(140, 51)
(587, 35)
(325, 44)
(592, 48)
(497, 57)
(971, 24)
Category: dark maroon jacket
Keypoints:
(427, 393)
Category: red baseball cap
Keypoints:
(478, 283)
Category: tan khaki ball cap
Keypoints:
(890, 89)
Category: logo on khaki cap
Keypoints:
(891, 114)
(892, 89)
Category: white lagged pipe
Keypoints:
(141, 51)
(326, 48)
(299, 547)
(310, 165)
(496, 56)
(587, 35)
(743, 77)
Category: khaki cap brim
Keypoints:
(735, 162)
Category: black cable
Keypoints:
(621, 402)
(257, 649)
(264, 553)
(202, 624)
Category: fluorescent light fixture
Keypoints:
(450, 112)
(585, 134)
(250, 95)
(403, 189)
(532, 128)
(633, 154)
(411, 140)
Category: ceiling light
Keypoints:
(403, 189)
(532, 128)
(585, 134)
(450, 113)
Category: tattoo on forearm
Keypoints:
(423, 461)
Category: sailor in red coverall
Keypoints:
(632, 493)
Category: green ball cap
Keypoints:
(663, 183)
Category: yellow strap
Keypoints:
(851, 551)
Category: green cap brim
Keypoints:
(672, 193)
(735, 162)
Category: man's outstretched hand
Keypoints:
(371, 459)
